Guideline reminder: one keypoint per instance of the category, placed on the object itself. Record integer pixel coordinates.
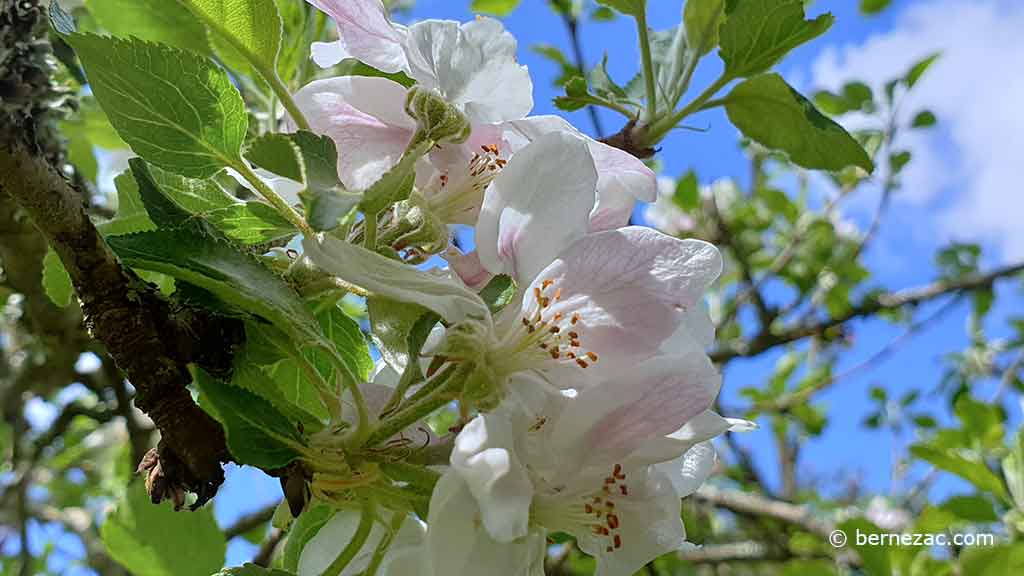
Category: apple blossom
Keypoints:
(608, 467)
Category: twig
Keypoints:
(755, 505)
(251, 521)
(767, 340)
(267, 549)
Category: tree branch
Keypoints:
(754, 505)
(129, 316)
(768, 339)
(251, 521)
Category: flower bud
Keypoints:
(438, 120)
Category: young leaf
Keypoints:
(495, 7)
(215, 265)
(396, 184)
(628, 7)
(758, 33)
(775, 115)
(56, 282)
(154, 540)
(252, 28)
(919, 68)
(702, 19)
(974, 472)
(278, 154)
(131, 212)
(303, 530)
(153, 20)
(252, 570)
(257, 433)
(173, 107)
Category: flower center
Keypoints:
(544, 334)
(452, 196)
(592, 513)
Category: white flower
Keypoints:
(472, 65)
(608, 467)
(405, 556)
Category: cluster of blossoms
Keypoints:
(586, 397)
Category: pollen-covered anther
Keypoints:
(559, 336)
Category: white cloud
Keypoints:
(967, 173)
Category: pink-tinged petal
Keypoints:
(472, 66)
(322, 549)
(468, 268)
(626, 291)
(395, 280)
(649, 525)
(366, 119)
(536, 206)
(608, 422)
(458, 543)
(328, 54)
(688, 472)
(705, 426)
(622, 178)
(366, 33)
(483, 456)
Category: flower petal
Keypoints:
(536, 206)
(689, 471)
(328, 54)
(472, 66)
(649, 526)
(622, 177)
(629, 288)
(608, 422)
(395, 280)
(366, 33)
(484, 458)
(458, 544)
(324, 547)
(365, 117)
(468, 268)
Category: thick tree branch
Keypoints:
(868, 307)
(754, 505)
(130, 317)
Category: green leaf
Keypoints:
(567, 70)
(495, 7)
(178, 199)
(898, 160)
(396, 184)
(163, 21)
(252, 570)
(174, 108)
(249, 375)
(974, 472)
(303, 530)
(687, 193)
(668, 57)
(628, 7)
(873, 6)
(924, 119)
(702, 19)
(775, 115)
(874, 556)
(919, 68)
(215, 265)
(250, 29)
(498, 292)
(975, 508)
(257, 433)
(992, 561)
(56, 282)
(391, 325)
(278, 154)
(153, 540)
(603, 84)
(758, 33)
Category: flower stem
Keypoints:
(282, 93)
(648, 63)
(274, 199)
(660, 128)
(421, 405)
(357, 542)
(370, 231)
(382, 547)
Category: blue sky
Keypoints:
(961, 186)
